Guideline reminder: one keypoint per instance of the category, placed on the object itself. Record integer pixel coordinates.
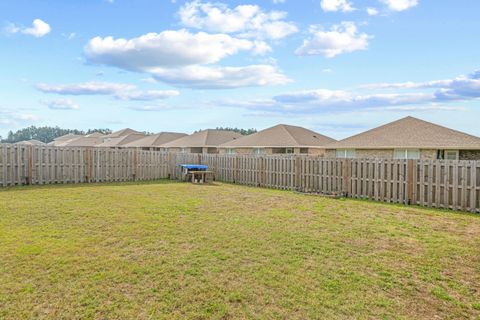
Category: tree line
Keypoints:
(48, 134)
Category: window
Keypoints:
(258, 151)
(406, 154)
(184, 150)
(346, 153)
(451, 154)
(230, 151)
(304, 150)
(289, 150)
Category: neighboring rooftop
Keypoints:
(31, 142)
(121, 141)
(409, 132)
(121, 133)
(281, 135)
(204, 138)
(66, 137)
(156, 140)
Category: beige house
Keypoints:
(119, 139)
(205, 141)
(31, 142)
(155, 141)
(279, 139)
(59, 141)
(408, 138)
(89, 140)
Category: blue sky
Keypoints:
(335, 66)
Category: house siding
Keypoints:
(267, 151)
(469, 155)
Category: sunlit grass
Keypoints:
(173, 251)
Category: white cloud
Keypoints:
(9, 117)
(38, 29)
(460, 88)
(151, 108)
(278, 1)
(202, 77)
(400, 5)
(432, 96)
(86, 88)
(372, 11)
(118, 90)
(336, 5)
(147, 95)
(166, 49)
(342, 38)
(245, 20)
(60, 104)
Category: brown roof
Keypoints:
(121, 141)
(281, 135)
(31, 142)
(409, 132)
(156, 140)
(66, 137)
(205, 138)
(121, 133)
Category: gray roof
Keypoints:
(409, 132)
(204, 138)
(281, 135)
(121, 141)
(156, 140)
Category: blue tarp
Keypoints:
(198, 167)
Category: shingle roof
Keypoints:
(31, 142)
(68, 136)
(281, 135)
(156, 140)
(205, 138)
(90, 140)
(121, 133)
(121, 141)
(409, 132)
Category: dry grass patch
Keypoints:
(172, 251)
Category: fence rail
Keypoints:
(431, 183)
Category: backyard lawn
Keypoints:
(167, 250)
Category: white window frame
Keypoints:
(258, 151)
(183, 150)
(346, 153)
(407, 154)
(231, 151)
(289, 150)
(456, 152)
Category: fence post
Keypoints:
(298, 173)
(134, 166)
(30, 165)
(410, 178)
(234, 169)
(346, 177)
(260, 172)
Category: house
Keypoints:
(205, 141)
(31, 142)
(89, 140)
(279, 139)
(155, 141)
(59, 141)
(120, 138)
(408, 138)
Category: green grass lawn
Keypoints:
(176, 250)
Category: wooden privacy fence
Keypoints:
(432, 183)
(45, 165)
